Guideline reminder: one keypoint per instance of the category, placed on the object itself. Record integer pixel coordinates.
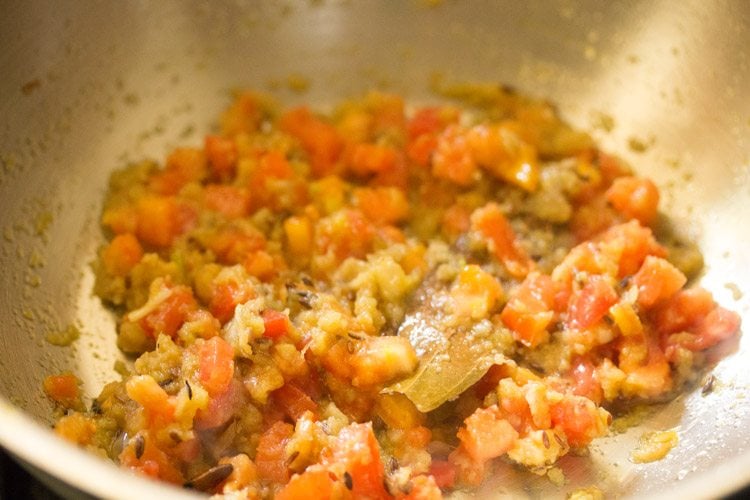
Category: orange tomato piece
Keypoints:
(216, 365)
(502, 242)
(529, 311)
(275, 324)
(222, 157)
(357, 450)
(382, 205)
(294, 401)
(452, 159)
(635, 198)
(152, 462)
(365, 159)
(585, 380)
(504, 154)
(682, 310)
(145, 391)
(320, 139)
(160, 219)
(591, 303)
(63, 389)
(486, 434)
(171, 313)
(657, 280)
(230, 201)
(122, 254)
(315, 482)
(578, 417)
(270, 457)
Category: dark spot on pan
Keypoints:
(708, 385)
(30, 86)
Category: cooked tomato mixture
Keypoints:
(384, 301)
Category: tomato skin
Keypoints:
(591, 304)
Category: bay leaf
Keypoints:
(451, 357)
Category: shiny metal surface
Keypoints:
(88, 86)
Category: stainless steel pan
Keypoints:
(87, 86)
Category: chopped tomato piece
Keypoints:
(657, 280)
(382, 205)
(452, 159)
(492, 225)
(276, 324)
(585, 380)
(150, 461)
(170, 314)
(294, 401)
(320, 139)
(184, 165)
(486, 434)
(228, 200)
(579, 419)
(227, 296)
(425, 121)
(591, 304)
(365, 159)
(635, 198)
(357, 450)
(216, 365)
(718, 325)
(530, 309)
(222, 407)
(63, 389)
(222, 157)
(270, 457)
(421, 149)
(683, 310)
(122, 253)
(502, 151)
(315, 482)
(144, 390)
